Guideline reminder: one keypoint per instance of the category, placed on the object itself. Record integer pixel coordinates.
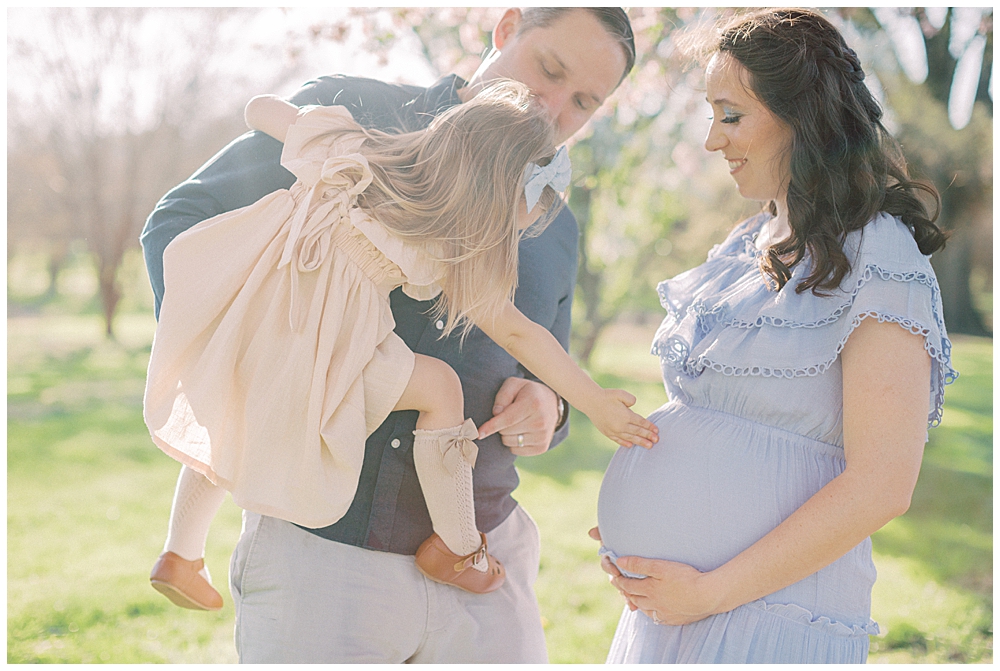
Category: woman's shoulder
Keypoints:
(886, 243)
(888, 276)
(731, 324)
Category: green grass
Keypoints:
(88, 498)
(934, 594)
(87, 503)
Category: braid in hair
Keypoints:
(845, 166)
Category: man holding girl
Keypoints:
(349, 592)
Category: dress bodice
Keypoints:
(752, 430)
(731, 343)
(331, 173)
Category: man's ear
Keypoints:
(506, 27)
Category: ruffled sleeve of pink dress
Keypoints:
(274, 357)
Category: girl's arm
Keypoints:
(270, 114)
(886, 402)
(542, 354)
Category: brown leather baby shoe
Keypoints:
(178, 580)
(440, 564)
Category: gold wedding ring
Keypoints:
(520, 440)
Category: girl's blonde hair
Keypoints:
(457, 185)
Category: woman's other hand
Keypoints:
(609, 567)
(671, 592)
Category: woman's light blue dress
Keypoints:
(753, 428)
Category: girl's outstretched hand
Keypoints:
(613, 418)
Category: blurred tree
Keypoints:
(943, 107)
(107, 109)
(650, 200)
(625, 191)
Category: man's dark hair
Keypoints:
(613, 19)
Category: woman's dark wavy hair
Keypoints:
(845, 166)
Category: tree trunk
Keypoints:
(57, 259)
(110, 293)
(953, 265)
(588, 282)
(594, 327)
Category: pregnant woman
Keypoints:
(803, 360)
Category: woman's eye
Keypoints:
(727, 118)
(730, 115)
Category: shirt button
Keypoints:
(439, 325)
(395, 443)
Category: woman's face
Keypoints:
(755, 142)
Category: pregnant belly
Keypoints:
(712, 486)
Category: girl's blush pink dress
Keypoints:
(275, 356)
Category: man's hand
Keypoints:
(525, 413)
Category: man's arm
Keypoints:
(242, 173)
(530, 417)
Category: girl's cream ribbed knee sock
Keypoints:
(196, 501)
(444, 459)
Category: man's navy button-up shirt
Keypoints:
(388, 512)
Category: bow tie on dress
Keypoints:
(461, 445)
(309, 238)
(556, 174)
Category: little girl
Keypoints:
(275, 357)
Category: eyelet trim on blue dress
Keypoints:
(727, 292)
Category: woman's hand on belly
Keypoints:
(671, 593)
(609, 567)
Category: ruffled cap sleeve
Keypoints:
(722, 316)
(309, 141)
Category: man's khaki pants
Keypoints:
(302, 598)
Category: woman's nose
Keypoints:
(715, 140)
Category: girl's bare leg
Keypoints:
(435, 390)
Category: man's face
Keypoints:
(572, 65)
